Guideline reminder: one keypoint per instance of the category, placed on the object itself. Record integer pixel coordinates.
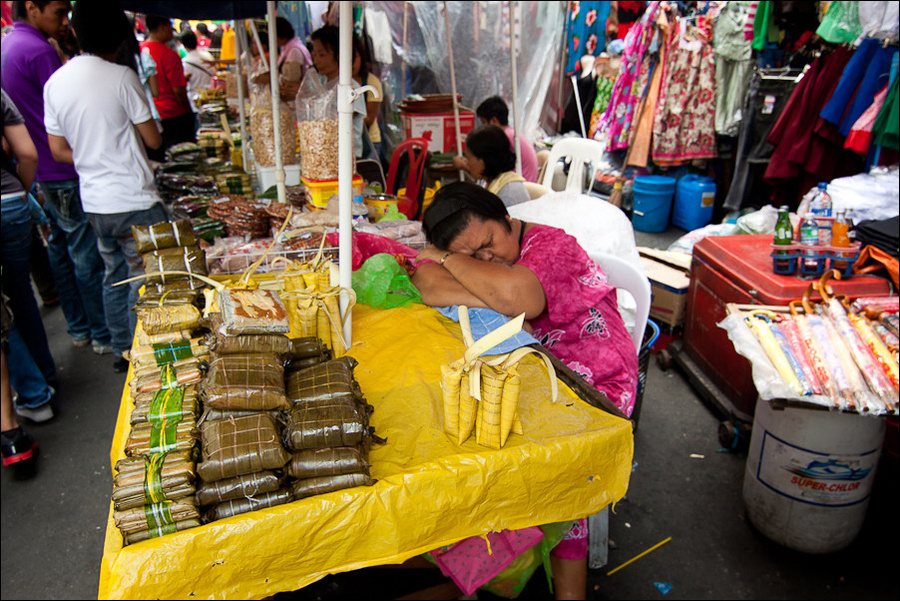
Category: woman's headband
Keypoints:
(439, 211)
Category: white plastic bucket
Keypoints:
(809, 475)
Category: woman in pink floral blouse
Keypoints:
(482, 257)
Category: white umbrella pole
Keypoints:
(513, 39)
(403, 58)
(345, 162)
(459, 151)
(239, 70)
(276, 103)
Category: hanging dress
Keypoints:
(684, 127)
(626, 96)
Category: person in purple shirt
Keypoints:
(28, 61)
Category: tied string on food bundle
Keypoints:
(482, 394)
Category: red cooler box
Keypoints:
(738, 269)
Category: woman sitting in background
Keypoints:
(489, 157)
(482, 257)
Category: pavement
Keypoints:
(683, 486)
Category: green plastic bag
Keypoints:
(381, 282)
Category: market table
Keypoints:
(572, 461)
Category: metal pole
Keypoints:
(239, 50)
(345, 161)
(403, 58)
(459, 151)
(513, 39)
(276, 103)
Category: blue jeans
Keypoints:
(77, 266)
(121, 261)
(24, 374)
(15, 251)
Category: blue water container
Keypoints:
(652, 202)
(695, 197)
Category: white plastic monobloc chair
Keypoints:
(580, 152)
(625, 276)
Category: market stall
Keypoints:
(429, 491)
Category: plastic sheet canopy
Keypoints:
(479, 32)
(572, 461)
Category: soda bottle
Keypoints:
(809, 237)
(784, 236)
(840, 238)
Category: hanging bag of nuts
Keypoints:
(317, 126)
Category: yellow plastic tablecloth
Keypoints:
(572, 461)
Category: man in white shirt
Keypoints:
(199, 69)
(97, 118)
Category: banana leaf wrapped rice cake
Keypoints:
(248, 485)
(252, 382)
(163, 235)
(276, 344)
(328, 380)
(234, 507)
(158, 264)
(238, 446)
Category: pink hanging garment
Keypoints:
(860, 137)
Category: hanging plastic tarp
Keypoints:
(480, 33)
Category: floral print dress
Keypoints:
(581, 324)
(684, 126)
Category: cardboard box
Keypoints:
(438, 128)
(669, 285)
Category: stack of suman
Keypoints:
(171, 257)
(154, 485)
(327, 429)
(243, 393)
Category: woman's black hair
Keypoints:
(490, 144)
(284, 29)
(328, 36)
(454, 206)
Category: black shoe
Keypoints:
(20, 451)
(120, 365)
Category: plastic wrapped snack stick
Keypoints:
(880, 351)
(760, 327)
(792, 333)
(862, 356)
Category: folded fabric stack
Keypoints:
(327, 429)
